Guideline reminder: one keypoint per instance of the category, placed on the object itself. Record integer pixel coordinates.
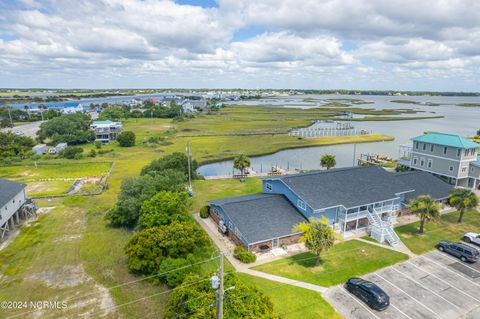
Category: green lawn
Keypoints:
(205, 190)
(293, 302)
(446, 228)
(344, 260)
(44, 171)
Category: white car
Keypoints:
(472, 238)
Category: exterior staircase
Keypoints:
(381, 230)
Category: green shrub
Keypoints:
(71, 152)
(244, 255)
(126, 139)
(98, 144)
(93, 153)
(205, 211)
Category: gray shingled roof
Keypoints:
(424, 183)
(261, 217)
(8, 190)
(350, 187)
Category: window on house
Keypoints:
(268, 186)
(301, 204)
(416, 145)
(422, 161)
(429, 163)
(459, 151)
(415, 159)
(450, 168)
(464, 169)
(424, 146)
(445, 150)
(431, 148)
(471, 169)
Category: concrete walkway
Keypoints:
(284, 280)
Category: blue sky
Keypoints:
(354, 44)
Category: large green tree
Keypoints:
(164, 208)
(193, 299)
(241, 162)
(71, 128)
(12, 145)
(317, 236)
(462, 199)
(426, 208)
(176, 161)
(135, 190)
(328, 161)
(126, 139)
(147, 249)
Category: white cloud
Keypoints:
(298, 41)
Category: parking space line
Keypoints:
(381, 277)
(440, 279)
(360, 303)
(425, 287)
(458, 260)
(403, 313)
(457, 273)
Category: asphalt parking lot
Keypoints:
(434, 285)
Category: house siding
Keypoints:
(13, 205)
(217, 214)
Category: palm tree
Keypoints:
(316, 235)
(425, 207)
(462, 199)
(328, 161)
(241, 162)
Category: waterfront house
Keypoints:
(355, 200)
(452, 157)
(106, 131)
(72, 108)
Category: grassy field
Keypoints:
(206, 190)
(75, 238)
(49, 179)
(293, 302)
(344, 260)
(446, 228)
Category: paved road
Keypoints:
(28, 129)
(433, 285)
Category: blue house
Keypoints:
(354, 200)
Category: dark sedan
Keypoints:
(369, 293)
(464, 252)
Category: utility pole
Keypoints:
(220, 291)
(190, 190)
(10, 116)
(354, 153)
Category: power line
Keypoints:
(127, 283)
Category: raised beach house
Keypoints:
(106, 131)
(452, 157)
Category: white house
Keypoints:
(187, 108)
(106, 131)
(73, 109)
(40, 149)
(12, 198)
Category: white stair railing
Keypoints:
(382, 230)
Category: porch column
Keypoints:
(17, 217)
(12, 225)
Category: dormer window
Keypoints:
(445, 150)
(424, 146)
(431, 148)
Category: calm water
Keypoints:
(459, 120)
